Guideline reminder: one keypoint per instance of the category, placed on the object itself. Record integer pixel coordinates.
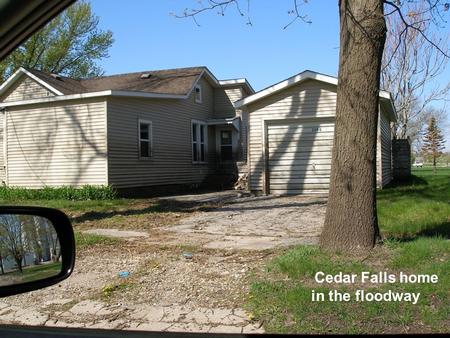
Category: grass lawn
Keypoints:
(415, 219)
(34, 272)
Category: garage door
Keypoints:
(299, 157)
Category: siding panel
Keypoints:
(57, 144)
(25, 89)
(2, 150)
(307, 101)
(171, 162)
(384, 145)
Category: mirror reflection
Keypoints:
(29, 249)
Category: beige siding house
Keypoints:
(151, 128)
(176, 126)
(291, 130)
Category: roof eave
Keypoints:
(237, 82)
(116, 93)
(303, 76)
(14, 78)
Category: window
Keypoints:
(145, 139)
(199, 142)
(226, 145)
(198, 93)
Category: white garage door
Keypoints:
(299, 156)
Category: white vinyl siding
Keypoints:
(223, 101)
(384, 154)
(25, 89)
(299, 156)
(308, 102)
(57, 144)
(2, 150)
(223, 108)
(171, 161)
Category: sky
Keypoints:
(148, 37)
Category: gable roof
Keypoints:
(175, 83)
(385, 97)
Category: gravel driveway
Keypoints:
(168, 290)
(255, 223)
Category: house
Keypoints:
(176, 126)
(291, 129)
(152, 128)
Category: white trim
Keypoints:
(233, 121)
(92, 94)
(149, 140)
(5, 145)
(234, 82)
(13, 78)
(105, 107)
(306, 75)
(130, 93)
(198, 142)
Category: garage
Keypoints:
(291, 132)
(299, 156)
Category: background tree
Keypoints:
(433, 142)
(410, 68)
(351, 218)
(70, 45)
(12, 238)
(3, 255)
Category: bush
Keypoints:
(87, 192)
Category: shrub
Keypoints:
(86, 192)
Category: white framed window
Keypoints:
(145, 136)
(199, 137)
(198, 93)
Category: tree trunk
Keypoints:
(19, 263)
(351, 217)
(1, 265)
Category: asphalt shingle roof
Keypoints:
(177, 81)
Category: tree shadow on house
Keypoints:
(289, 162)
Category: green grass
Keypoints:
(87, 192)
(84, 240)
(414, 219)
(36, 272)
(419, 207)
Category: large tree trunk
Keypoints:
(351, 217)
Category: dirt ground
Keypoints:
(188, 271)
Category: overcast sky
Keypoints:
(148, 37)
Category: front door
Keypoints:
(226, 145)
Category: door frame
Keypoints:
(234, 140)
(282, 121)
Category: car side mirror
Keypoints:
(37, 248)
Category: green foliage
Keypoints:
(69, 45)
(304, 260)
(433, 141)
(414, 218)
(87, 192)
(84, 240)
(420, 207)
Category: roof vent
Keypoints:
(56, 76)
(145, 75)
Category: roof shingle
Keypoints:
(177, 81)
